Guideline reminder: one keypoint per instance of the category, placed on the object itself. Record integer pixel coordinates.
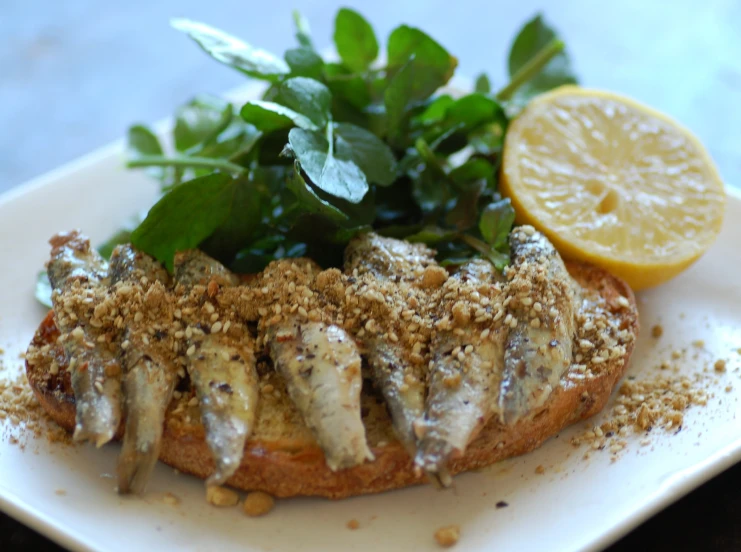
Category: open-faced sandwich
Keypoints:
(332, 297)
(302, 381)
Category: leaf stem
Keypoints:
(475, 243)
(330, 138)
(531, 68)
(184, 161)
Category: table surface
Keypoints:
(76, 74)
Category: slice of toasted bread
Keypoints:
(282, 458)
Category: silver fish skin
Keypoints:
(222, 370)
(543, 306)
(401, 382)
(463, 382)
(194, 267)
(321, 367)
(149, 378)
(75, 267)
(226, 382)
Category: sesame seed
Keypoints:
(191, 350)
(216, 327)
(485, 333)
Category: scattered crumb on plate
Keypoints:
(353, 524)
(448, 536)
(257, 504)
(221, 496)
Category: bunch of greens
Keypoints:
(335, 148)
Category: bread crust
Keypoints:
(296, 467)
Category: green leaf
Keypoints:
(201, 120)
(471, 170)
(336, 175)
(472, 111)
(43, 289)
(309, 201)
(232, 51)
(407, 42)
(238, 228)
(308, 97)
(305, 62)
(347, 86)
(436, 110)
(271, 116)
(234, 142)
(418, 66)
(431, 235)
(496, 223)
(464, 215)
(355, 40)
(483, 86)
(488, 139)
(367, 151)
(431, 192)
(532, 38)
(142, 141)
(185, 217)
(303, 31)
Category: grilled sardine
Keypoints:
(222, 370)
(321, 366)
(149, 378)
(77, 269)
(542, 310)
(465, 372)
(401, 382)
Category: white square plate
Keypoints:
(576, 504)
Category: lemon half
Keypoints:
(614, 183)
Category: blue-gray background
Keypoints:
(75, 73)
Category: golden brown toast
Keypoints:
(282, 458)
